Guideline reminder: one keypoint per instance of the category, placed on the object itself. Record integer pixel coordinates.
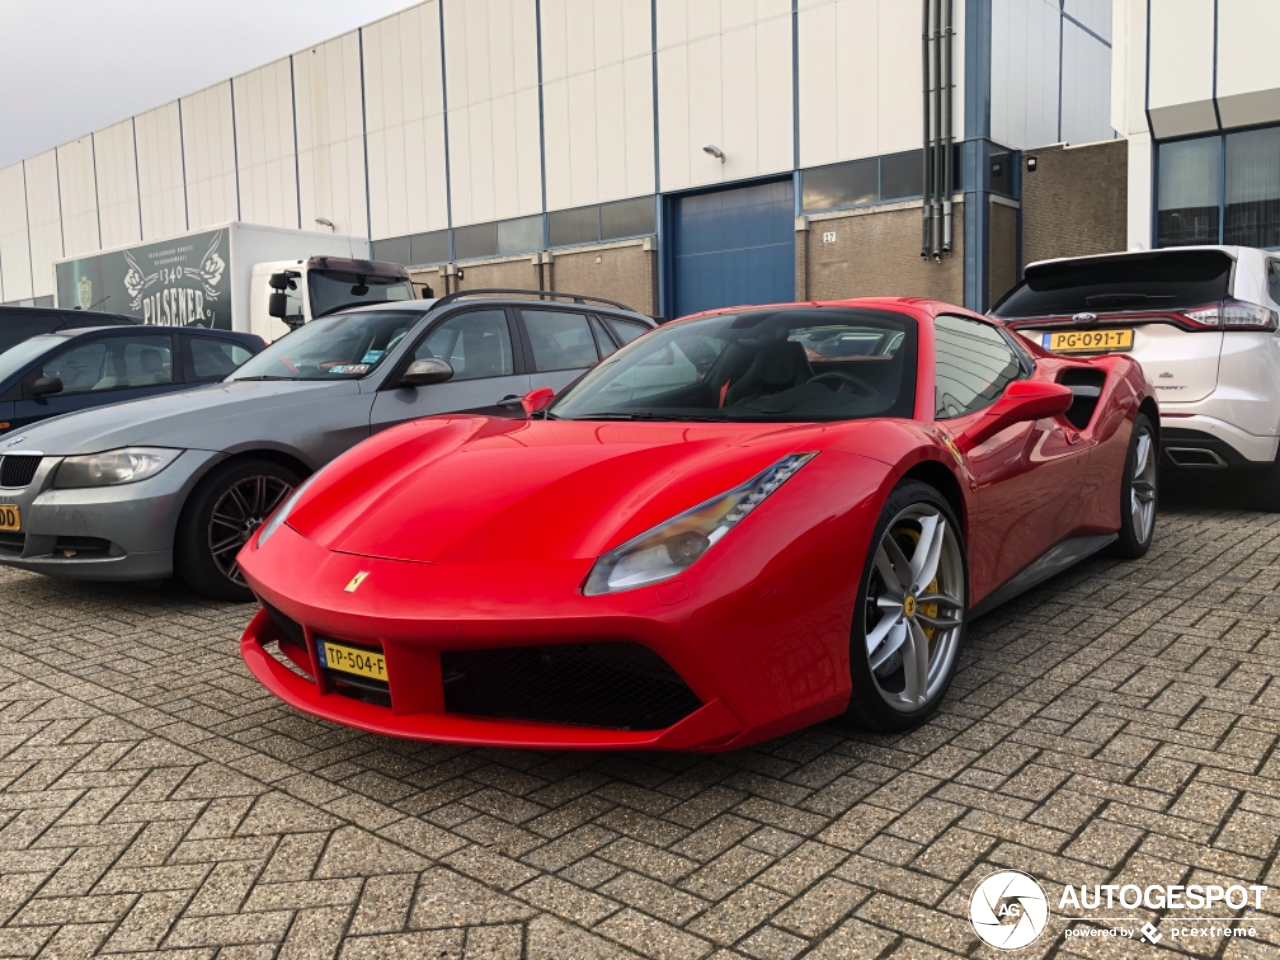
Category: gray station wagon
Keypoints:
(177, 483)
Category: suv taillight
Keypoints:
(1232, 315)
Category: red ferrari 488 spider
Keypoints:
(739, 524)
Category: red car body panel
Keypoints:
(478, 533)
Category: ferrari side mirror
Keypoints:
(536, 400)
(1023, 401)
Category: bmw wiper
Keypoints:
(250, 379)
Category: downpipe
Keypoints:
(936, 214)
(926, 209)
(948, 188)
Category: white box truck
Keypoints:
(235, 276)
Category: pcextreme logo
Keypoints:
(1009, 910)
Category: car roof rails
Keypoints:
(579, 298)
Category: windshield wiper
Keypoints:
(1116, 297)
(264, 377)
(648, 415)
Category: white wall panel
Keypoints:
(1248, 79)
(724, 78)
(1024, 72)
(1181, 68)
(44, 220)
(117, 183)
(597, 72)
(15, 251)
(78, 194)
(404, 101)
(209, 150)
(161, 193)
(265, 148)
(331, 135)
(495, 153)
(1086, 87)
(1094, 14)
(860, 78)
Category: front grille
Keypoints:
(17, 470)
(291, 628)
(619, 686)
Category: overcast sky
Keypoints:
(68, 67)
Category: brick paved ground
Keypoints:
(1118, 725)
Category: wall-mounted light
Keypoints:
(325, 223)
(715, 151)
(1031, 164)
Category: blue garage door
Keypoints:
(734, 246)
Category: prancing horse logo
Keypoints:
(358, 579)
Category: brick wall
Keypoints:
(876, 252)
(1003, 264)
(625, 271)
(1075, 203)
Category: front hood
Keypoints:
(189, 419)
(476, 490)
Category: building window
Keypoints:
(520, 236)
(857, 183)
(428, 248)
(477, 240)
(392, 250)
(1189, 192)
(627, 218)
(1253, 189)
(568, 227)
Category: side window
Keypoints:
(627, 330)
(213, 359)
(476, 344)
(603, 340)
(560, 340)
(973, 365)
(1273, 280)
(113, 363)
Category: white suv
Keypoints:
(1202, 321)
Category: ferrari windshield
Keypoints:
(792, 364)
(346, 346)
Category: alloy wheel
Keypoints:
(237, 514)
(1142, 488)
(915, 608)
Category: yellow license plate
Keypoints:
(363, 663)
(10, 519)
(1088, 341)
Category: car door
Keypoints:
(99, 370)
(1028, 475)
(488, 375)
(561, 345)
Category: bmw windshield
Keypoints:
(346, 346)
(801, 364)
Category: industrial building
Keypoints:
(673, 154)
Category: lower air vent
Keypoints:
(18, 470)
(618, 686)
(291, 628)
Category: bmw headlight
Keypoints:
(672, 547)
(127, 465)
(277, 518)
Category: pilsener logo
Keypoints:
(1008, 910)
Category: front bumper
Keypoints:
(755, 661)
(117, 533)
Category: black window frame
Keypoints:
(189, 360)
(1026, 366)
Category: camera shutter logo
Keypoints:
(1008, 910)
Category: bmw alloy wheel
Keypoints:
(915, 608)
(237, 514)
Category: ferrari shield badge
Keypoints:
(358, 579)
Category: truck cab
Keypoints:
(285, 294)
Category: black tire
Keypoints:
(200, 531)
(1133, 541)
(870, 705)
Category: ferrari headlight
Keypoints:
(670, 548)
(282, 512)
(127, 465)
